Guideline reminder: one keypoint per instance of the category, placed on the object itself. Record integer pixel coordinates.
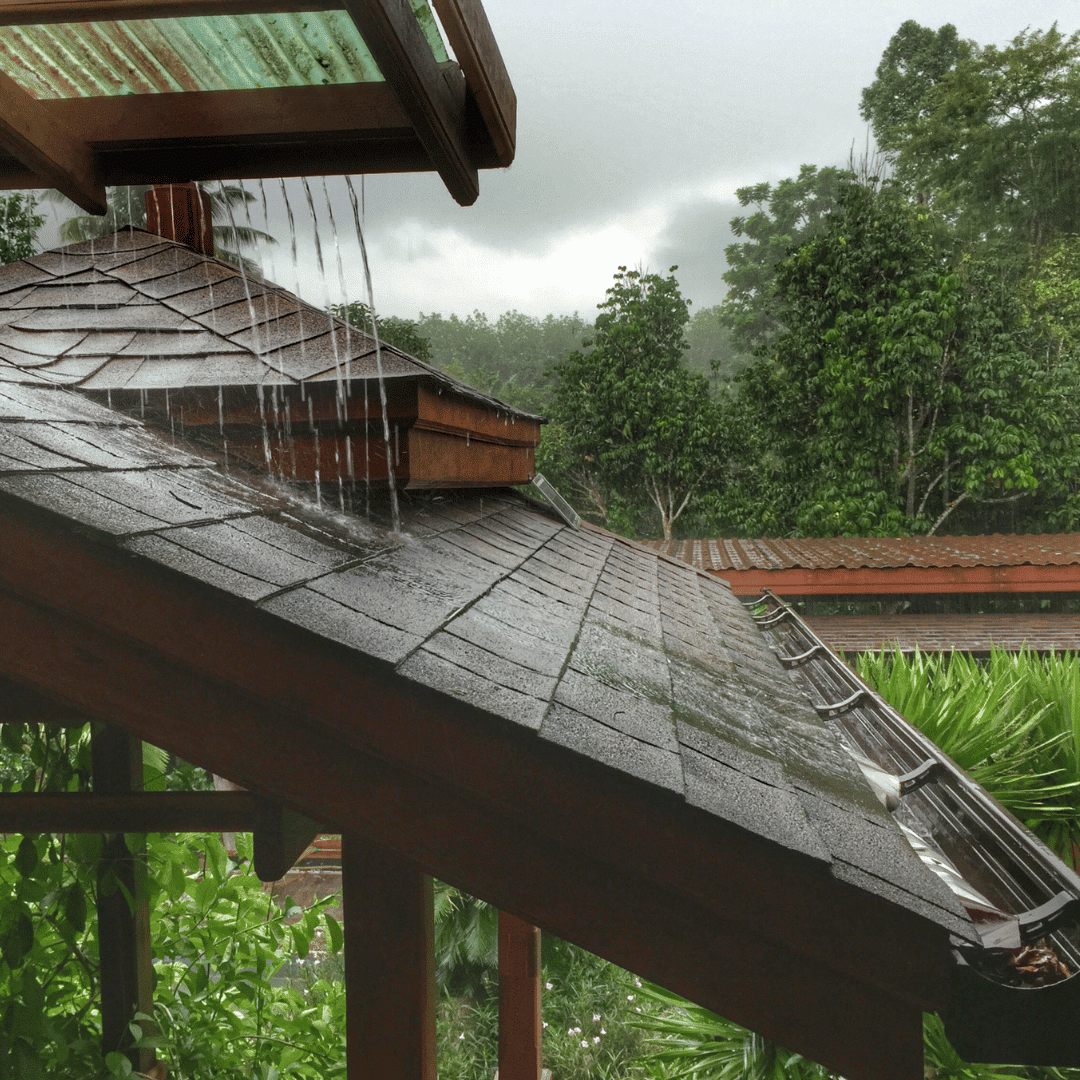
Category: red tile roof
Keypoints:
(830, 553)
(946, 633)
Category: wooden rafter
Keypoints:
(56, 154)
(432, 95)
(469, 34)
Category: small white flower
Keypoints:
(545, 1023)
(603, 1031)
(462, 1035)
(595, 1018)
(629, 997)
(585, 1042)
(637, 981)
(550, 985)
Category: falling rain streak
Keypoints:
(275, 407)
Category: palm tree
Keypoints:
(127, 206)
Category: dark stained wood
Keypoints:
(56, 154)
(439, 460)
(903, 579)
(126, 963)
(433, 98)
(520, 1027)
(387, 909)
(158, 811)
(456, 415)
(842, 978)
(37, 12)
(299, 113)
(302, 456)
(469, 34)
(281, 837)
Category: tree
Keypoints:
(18, 226)
(787, 215)
(404, 334)
(899, 391)
(990, 136)
(634, 418)
(127, 206)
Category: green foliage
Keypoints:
(508, 356)
(710, 349)
(787, 215)
(403, 334)
(989, 135)
(899, 391)
(1012, 723)
(127, 206)
(19, 225)
(635, 422)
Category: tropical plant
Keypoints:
(635, 420)
(404, 334)
(19, 225)
(127, 206)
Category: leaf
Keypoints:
(27, 857)
(18, 941)
(74, 910)
(333, 930)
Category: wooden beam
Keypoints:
(299, 113)
(433, 97)
(58, 156)
(469, 34)
(126, 963)
(281, 837)
(842, 581)
(130, 812)
(520, 1026)
(39, 12)
(388, 917)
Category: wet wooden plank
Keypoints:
(520, 1027)
(126, 962)
(388, 915)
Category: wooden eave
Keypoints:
(708, 909)
(453, 118)
(864, 581)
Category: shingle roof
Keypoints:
(132, 311)
(587, 640)
(573, 647)
(810, 553)
(948, 633)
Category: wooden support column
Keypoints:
(520, 1027)
(123, 928)
(387, 905)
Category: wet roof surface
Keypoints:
(133, 311)
(831, 553)
(577, 638)
(949, 633)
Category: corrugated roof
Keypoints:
(133, 311)
(948, 633)
(853, 553)
(219, 52)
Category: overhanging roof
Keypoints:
(808, 566)
(586, 734)
(153, 91)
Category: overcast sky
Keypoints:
(637, 122)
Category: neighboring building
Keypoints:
(967, 593)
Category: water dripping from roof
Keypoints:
(394, 511)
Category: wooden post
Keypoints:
(387, 906)
(520, 1027)
(127, 971)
